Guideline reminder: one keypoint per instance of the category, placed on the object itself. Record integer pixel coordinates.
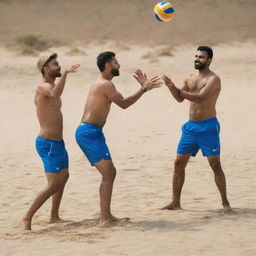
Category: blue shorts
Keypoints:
(53, 154)
(92, 142)
(202, 135)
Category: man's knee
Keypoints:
(179, 165)
(55, 186)
(110, 174)
(215, 164)
(66, 177)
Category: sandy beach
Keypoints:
(143, 141)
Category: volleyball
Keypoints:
(164, 11)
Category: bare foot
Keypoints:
(171, 206)
(25, 224)
(107, 223)
(55, 220)
(227, 209)
(115, 219)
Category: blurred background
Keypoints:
(41, 24)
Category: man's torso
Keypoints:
(205, 109)
(97, 105)
(48, 110)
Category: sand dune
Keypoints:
(129, 21)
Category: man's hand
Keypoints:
(154, 82)
(168, 82)
(140, 77)
(145, 83)
(73, 68)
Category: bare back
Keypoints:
(48, 110)
(210, 86)
(97, 105)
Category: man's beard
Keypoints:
(199, 65)
(57, 73)
(115, 72)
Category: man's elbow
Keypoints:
(123, 105)
(180, 100)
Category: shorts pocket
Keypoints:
(213, 128)
(43, 149)
(186, 127)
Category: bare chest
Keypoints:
(196, 84)
(48, 102)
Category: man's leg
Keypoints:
(178, 181)
(56, 198)
(220, 179)
(108, 172)
(54, 184)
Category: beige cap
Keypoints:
(43, 59)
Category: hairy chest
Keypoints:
(196, 84)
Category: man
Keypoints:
(202, 130)
(49, 143)
(89, 133)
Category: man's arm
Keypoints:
(56, 91)
(59, 87)
(116, 97)
(175, 91)
(212, 85)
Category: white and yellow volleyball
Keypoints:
(164, 11)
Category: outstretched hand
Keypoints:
(154, 82)
(168, 82)
(140, 77)
(146, 84)
(73, 68)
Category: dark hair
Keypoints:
(206, 49)
(103, 58)
(47, 62)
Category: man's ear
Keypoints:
(107, 65)
(46, 69)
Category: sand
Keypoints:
(142, 140)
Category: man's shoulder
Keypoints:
(195, 76)
(214, 78)
(43, 85)
(43, 89)
(103, 84)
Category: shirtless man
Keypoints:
(202, 130)
(89, 135)
(49, 143)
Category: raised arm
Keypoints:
(113, 95)
(58, 89)
(55, 91)
(212, 85)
